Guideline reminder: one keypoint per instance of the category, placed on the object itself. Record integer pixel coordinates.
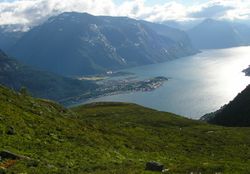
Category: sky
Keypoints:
(34, 12)
(153, 2)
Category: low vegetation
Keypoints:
(40, 83)
(113, 138)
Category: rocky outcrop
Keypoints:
(247, 71)
(9, 155)
(154, 166)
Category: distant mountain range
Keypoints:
(182, 25)
(213, 34)
(39, 83)
(9, 37)
(78, 43)
(179, 36)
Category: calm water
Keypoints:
(199, 84)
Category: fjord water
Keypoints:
(198, 84)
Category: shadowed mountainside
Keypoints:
(213, 34)
(79, 43)
(41, 84)
(235, 114)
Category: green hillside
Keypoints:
(113, 138)
(40, 83)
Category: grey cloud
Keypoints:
(33, 12)
(211, 11)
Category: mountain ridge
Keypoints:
(247, 71)
(8, 37)
(80, 43)
(39, 83)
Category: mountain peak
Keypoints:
(82, 44)
(209, 20)
(66, 14)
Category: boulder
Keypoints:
(9, 155)
(11, 131)
(154, 166)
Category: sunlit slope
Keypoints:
(114, 138)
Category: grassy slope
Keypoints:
(115, 138)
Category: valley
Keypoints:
(128, 87)
(197, 84)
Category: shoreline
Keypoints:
(123, 86)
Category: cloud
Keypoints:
(33, 12)
(137, 9)
(211, 11)
(222, 9)
(240, 11)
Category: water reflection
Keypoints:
(199, 84)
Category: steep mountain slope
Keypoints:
(243, 31)
(8, 37)
(39, 83)
(79, 43)
(113, 138)
(212, 34)
(236, 113)
(180, 37)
